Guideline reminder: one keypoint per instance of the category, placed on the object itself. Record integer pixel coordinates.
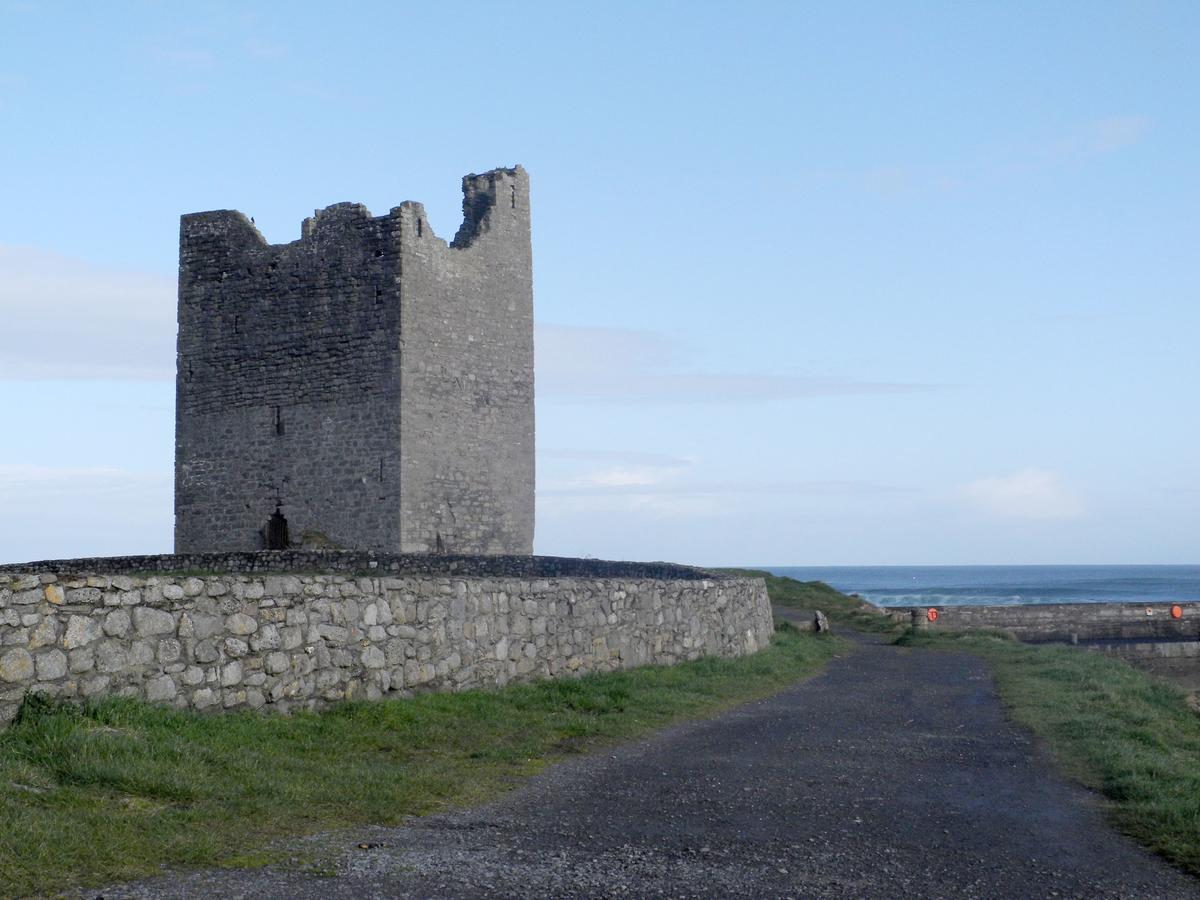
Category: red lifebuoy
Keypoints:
(931, 614)
(1176, 611)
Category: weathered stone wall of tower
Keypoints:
(288, 382)
(467, 415)
(293, 365)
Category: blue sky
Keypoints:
(842, 283)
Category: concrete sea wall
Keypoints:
(1148, 635)
(1067, 621)
(254, 640)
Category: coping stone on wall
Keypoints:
(366, 563)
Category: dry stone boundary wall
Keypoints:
(289, 641)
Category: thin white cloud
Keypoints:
(631, 457)
(671, 500)
(1087, 140)
(65, 318)
(20, 482)
(1115, 133)
(614, 478)
(257, 48)
(658, 506)
(662, 490)
(184, 57)
(69, 319)
(10, 86)
(625, 477)
(58, 512)
(610, 365)
(1027, 494)
(584, 350)
(1098, 137)
(596, 486)
(638, 505)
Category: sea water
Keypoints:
(998, 585)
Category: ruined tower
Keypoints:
(368, 386)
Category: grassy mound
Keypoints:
(840, 608)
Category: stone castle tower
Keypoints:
(368, 386)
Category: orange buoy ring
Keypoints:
(1176, 611)
(931, 614)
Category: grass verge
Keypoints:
(811, 595)
(116, 789)
(1119, 731)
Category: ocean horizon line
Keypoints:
(1121, 565)
(1007, 585)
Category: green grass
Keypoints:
(1126, 734)
(838, 607)
(115, 789)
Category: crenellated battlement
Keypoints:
(336, 218)
(369, 382)
(227, 226)
(482, 195)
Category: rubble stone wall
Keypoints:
(290, 641)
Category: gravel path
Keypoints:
(894, 774)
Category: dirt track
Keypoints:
(894, 774)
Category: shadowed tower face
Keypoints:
(368, 386)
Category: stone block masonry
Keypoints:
(301, 641)
(370, 386)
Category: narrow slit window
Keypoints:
(277, 531)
